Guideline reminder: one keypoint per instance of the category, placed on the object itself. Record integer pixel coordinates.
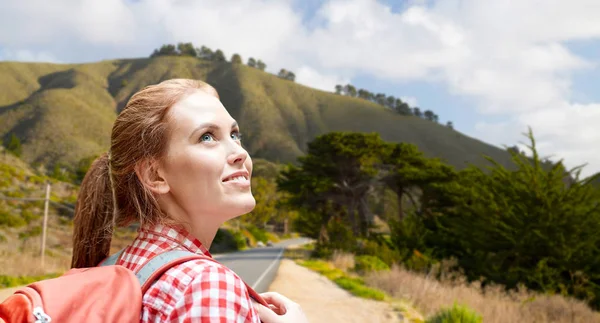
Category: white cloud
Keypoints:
(508, 57)
(37, 22)
(410, 100)
(310, 77)
(24, 55)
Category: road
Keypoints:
(258, 266)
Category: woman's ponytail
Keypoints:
(94, 220)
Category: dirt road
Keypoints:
(323, 301)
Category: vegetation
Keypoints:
(532, 226)
(63, 113)
(353, 284)
(390, 102)
(13, 281)
(364, 174)
(456, 314)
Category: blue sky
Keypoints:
(491, 67)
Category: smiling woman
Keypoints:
(177, 166)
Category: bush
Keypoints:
(30, 233)
(456, 314)
(10, 220)
(369, 263)
(381, 250)
(258, 234)
(28, 215)
(226, 240)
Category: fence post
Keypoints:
(46, 202)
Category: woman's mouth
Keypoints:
(238, 178)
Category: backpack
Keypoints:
(106, 293)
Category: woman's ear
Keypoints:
(151, 176)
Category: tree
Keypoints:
(450, 124)
(408, 172)
(338, 89)
(236, 59)
(282, 73)
(186, 49)
(265, 193)
(205, 53)
(402, 108)
(364, 94)
(417, 112)
(261, 65)
(219, 56)
(286, 75)
(291, 77)
(429, 115)
(523, 226)
(164, 50)
(350, 90)
(251, 62)
(14, 145)
(390, 102)
(338, 173)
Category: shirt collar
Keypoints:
(176, 235)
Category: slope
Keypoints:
(63, 113)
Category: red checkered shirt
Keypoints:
(195, 291)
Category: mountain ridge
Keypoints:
(63, 113)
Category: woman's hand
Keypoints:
(282, 310)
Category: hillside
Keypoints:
(21, 221)
(64, 112)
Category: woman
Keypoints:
(177, 167)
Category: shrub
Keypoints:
(369, 263)
(32, 232)
(10, 220)
(455, 314)
(28, 215)
(259, 234)
(226, 240)
(381, 250)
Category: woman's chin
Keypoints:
(242, 205)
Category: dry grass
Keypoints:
(21, 257)
(342, 260)
(429, 296)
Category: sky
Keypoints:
(492, 67)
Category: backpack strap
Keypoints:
(159, 264)
(112, 259)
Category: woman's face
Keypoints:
(206, 169)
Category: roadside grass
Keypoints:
(421, 298)
(353, 284)
(14, 281)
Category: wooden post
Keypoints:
(46, 202)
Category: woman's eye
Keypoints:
(206, 137)
(236, 135)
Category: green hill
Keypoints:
(64, 112)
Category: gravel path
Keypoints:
(323, 301)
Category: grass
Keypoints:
(355, 285)
(64, 112)
(493, 304)
(423, 299)
(13, 281)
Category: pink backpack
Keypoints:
(107, 293)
